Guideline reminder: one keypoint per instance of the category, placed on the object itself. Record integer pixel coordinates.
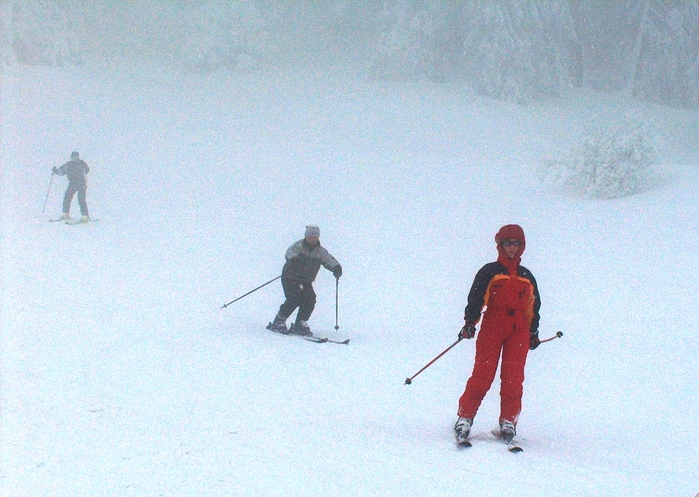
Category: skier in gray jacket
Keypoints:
(303, 261)
(75, 169)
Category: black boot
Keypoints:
(278, 325)
(301, 328)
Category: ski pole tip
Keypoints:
(408, 381)
(559, 334)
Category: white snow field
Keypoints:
(122, 375)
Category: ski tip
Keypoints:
(515, 449)
(463, 444)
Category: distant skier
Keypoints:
(303, 261)
(510, 326)
(75, 169)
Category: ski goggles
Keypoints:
(507, 243)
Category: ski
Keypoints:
(322, 339)
(78, 221)
(71, 220)
(310, 338)
(511, 446)
(463, 443)
(340, 342)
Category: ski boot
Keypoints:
(507, 431)
(462, 429)
(278, 325)
(301, 328)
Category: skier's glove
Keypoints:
(468, 331)
(337, 271)
(54, 170)
(534, 341)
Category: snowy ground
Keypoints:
(121, 375)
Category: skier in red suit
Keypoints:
(509, 329)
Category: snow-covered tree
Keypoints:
(515, 50)
(519, 50)
(605, 31)
(648, 49)
(609, 162)
(36, 32)
(7, 55)
(399, 51)
(417, 41)
(217, 34)
(666, 61)
(507, 49)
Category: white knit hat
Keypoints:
(312, 230)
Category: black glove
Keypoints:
(54, 170)
(337, 271)
(534, 341)
(468, 331)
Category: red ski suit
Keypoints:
(510, 296)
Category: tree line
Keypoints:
(514, 50)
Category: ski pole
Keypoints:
(558, 334)
(256, 289)
(337, 284)
(47, 193)
(408, 381)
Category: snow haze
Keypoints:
(121, 375)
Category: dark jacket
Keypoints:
(75, 169)
(303, 261)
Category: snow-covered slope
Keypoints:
(122, 376)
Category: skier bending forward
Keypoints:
(509, 329)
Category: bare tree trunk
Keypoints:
(636, 55)
(6, 34)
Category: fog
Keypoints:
(409, 132)
(515, 51)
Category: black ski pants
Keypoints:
(81, 189)
(298, 295)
